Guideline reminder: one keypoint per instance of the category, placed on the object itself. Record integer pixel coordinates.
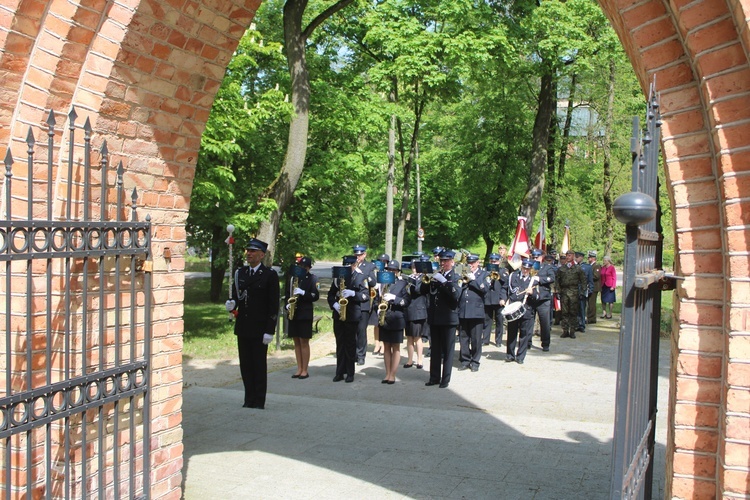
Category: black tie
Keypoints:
(252, 272)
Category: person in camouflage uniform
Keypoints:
(569, 277)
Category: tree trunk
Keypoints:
(489, 245)
(218, 266)
(282, 188)
(607, 175)
(390, 184)
(551, 177)
(535, 186)
(565, 143)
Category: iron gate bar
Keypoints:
(635, 410)
(92, 383)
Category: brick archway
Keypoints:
(146, 72)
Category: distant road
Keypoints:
(322, 269)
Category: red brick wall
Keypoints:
(146, 72)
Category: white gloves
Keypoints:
(439, 278)
(337, 307)
(298, 291)
(471, 276)
(389, 297)
(229, 304)
(288, 306)
(267, 338)
(346, 293)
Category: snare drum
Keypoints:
(513, 311)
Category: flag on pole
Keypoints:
(540, 241)
(566, 241)
(521, 246)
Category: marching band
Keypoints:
(441, 302)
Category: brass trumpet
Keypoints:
(342, 301)
(293, 299)
(494, 275)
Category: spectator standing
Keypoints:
(609, 283)
(596, 269)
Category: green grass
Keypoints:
(210, 335)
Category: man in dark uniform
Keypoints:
(584, 292)
(492, 300)
(568, 280)
(596, 269)
(367, 269)
(520, 285)
(541, 301)
(255, 304)
(355, 292)
(443, 293)
(474, 286)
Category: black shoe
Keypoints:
(572, 335)
(519, 361)
(338, 378)
(444, 385)
(349, 379)
(508, 359)
(580, 329)
(384, 381)
(530, 345)
(463, 367)
(303, 377)
(361, 361)
(486, 343)
(408, 365)
(391, 382)
(545, 349)
(430, 383)
(475, 368)
(564, 335)
(419, 367)
(295, 376)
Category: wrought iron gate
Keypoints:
(635, 410)
(75, 301)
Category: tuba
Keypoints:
(293, 299)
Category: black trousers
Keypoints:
(519, 335)
(253, 368)
(470, 340)
(545, 321)
(361, 335)
(346, 347)
(492, 315)
(441, 352)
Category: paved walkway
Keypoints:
(542, 430)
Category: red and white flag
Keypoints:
(521, 247)
(566, 241)
(540, 241)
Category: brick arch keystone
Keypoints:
(145, 72)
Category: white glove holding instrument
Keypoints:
(389, 297)
(439, 278)
(471, 276)
(337, 307)
(298, 291)
(346, 293)
(267, 338)
(230, 304)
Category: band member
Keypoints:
(541, 302)
(568, 280)
(417, 328)
(584, 292)
(380, 264)
(596, 269)
(392, 320)
(492, 307)
(367, 269)
(302, 290)
(475, 283)
(443, 293)
(255, 298)
(521, 287)
(354, 291)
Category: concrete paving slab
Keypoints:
(542, 430)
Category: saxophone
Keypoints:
(293, 299)
(382, 307)
(342, 301)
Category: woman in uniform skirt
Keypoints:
(396, 300)
(300, 327)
